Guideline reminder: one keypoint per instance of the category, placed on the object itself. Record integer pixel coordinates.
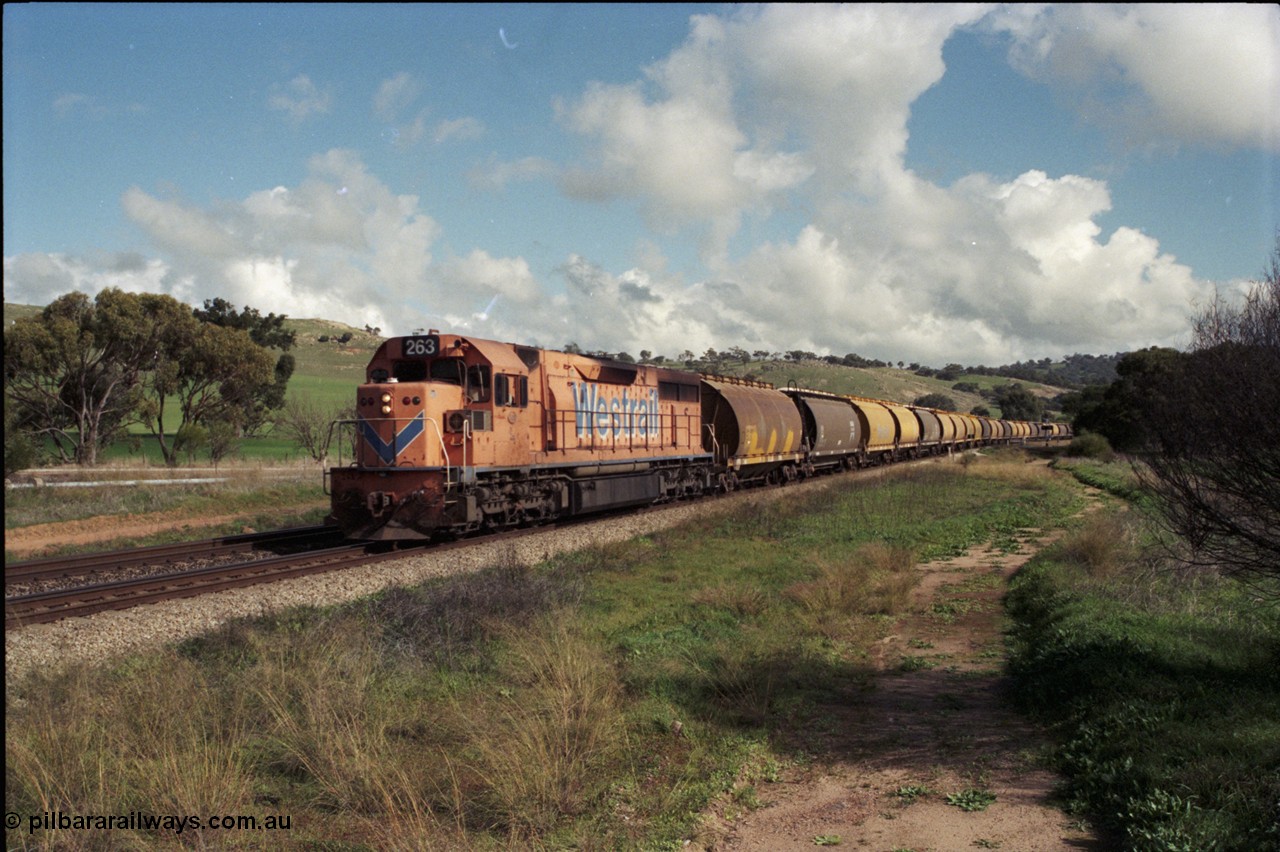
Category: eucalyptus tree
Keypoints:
(76, 370)
(83, 370)
(1213, 435)
(205, 375)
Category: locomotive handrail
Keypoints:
(565, 419)
(738, 380)
(466, 439)
(444, 452)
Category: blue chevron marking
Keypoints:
(387, 452)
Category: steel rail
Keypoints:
(123, 594)
(87, 563)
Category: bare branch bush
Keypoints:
(1214, 459)
(307, 422)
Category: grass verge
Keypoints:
(1164, 689)
(255, 502)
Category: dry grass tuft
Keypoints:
(534, 750)
(877, 580)
(1105, 544)
(1015, 471)
(163, 713)
(743, 674)
(742, 601)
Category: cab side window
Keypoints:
(478, 383)
(511, 391)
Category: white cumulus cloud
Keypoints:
(1206, 73)
(395, 94)
(812, 102)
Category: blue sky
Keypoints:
(979, 184)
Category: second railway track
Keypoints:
(84, 600)
(78, 565)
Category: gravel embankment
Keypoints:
(101, 637)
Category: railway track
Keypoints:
(62, 567)
(82, 600)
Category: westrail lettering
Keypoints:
(607, 412)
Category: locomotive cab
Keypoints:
(436, 405)
(436, 401)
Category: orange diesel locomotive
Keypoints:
(456, 434)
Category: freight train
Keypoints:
(454, 434)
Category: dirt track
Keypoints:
(935, 723)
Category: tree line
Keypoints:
(1073, 371)
(1014, 401)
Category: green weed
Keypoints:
(972, 799)
(910, 792)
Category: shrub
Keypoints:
(1091, 445)
(19, 450)
(191, 439)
